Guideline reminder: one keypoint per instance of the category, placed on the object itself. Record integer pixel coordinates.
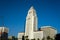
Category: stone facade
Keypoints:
(38, 35)
(20, 35)
(31, 23)
(3, 33)
(49, 31)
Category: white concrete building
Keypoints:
(49, 31)
(38, 35)
(3, 33)
(20, 35)
(31, 23)
(3, 29)
(31, 30)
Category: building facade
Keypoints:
(3, 33)
(12, 38)
(20, 36)
(31, 23)
(49, 31)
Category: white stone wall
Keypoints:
(49, 31)
(4, 29)
(38, 35)
(31, 23)
(20, 36)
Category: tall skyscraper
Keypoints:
(31, 23)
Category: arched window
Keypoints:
(48, 37)
(38, 39)
(22, 37)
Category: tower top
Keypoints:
(31, 12)
(31, 7)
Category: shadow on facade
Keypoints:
(57, 37)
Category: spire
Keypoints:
(32, 11)
(32, 7)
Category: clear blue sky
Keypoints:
(15, 11)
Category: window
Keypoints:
(38, 39)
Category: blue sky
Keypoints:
(14, 13)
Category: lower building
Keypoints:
(12, 38)
(38, 35)
(45, 33)
(49, 31)
(3, 33)
(21, 36)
